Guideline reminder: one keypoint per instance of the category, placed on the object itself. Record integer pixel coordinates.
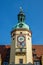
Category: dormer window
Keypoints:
(33, 50)
(34, 55)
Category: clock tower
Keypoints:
(21, 45)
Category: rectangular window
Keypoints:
(34, 63)
(37, 63)
(21, 61)
(5, 63)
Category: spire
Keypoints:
(21, 15)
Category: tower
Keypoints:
(21, 46)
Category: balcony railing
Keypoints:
(20, 64)
(20, 50)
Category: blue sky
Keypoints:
(9, 10)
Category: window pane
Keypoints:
(34, 63)
(38, 63)
(5, 63)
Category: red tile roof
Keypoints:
(38, 50)
(4, 50)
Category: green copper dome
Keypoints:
(21, 24)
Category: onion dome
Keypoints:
(21, 21)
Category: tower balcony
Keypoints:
(20, 50)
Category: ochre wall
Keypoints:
(28, 58)
(17, 58)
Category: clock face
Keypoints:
(21, 39)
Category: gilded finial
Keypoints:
(21, 9)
